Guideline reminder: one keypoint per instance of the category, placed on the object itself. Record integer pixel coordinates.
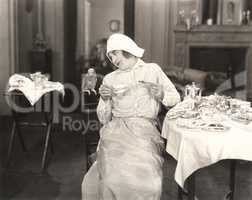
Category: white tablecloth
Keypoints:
(194, 149)
(32, 92)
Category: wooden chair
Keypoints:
(89, 102)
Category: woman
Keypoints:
(129, 162)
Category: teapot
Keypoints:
(192, 91)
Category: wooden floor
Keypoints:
(62, 180)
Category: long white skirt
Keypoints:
(129, 162)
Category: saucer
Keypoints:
(243, 118)
(174, 114)
(216, 127)
(190, 114)
(191, 123)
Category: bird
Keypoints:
(89, 81)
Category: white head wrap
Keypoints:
(119, 41)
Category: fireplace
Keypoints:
(224, 49)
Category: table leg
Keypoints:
(48, 132)
(180, 193)
(16, 120)
(48, 119)
(12, 137)
(232, 178)
(21, 138)
(191, 187)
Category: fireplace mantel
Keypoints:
(209, 36)
(213, 37)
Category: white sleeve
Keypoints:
(104, 111)
(171, 95)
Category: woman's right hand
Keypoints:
(105, 92)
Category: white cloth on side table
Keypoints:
(32, 91)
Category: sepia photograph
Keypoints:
(126, 100)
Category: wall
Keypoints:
(53, 29)
(101, 13)
(54, 32)
(7, 43)
(26, 29)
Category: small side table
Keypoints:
(43, 107)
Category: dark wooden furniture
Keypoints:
(25, 115)
(41, 60)
(89, 104)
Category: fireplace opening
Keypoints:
(218, 59)
(229, 62)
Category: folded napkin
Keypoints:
(33, 92)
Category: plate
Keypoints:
(191, 123)
(174, 114)
(244, 118)
(216, 127)
(190, 114)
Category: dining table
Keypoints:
(202, 135)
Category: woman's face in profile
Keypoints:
(118, 59)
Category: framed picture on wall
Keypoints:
(188, 9)
(114, 25)
(232, 12)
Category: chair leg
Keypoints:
(48, 132)
(21, 138)
(11, 143)
(86, 149)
